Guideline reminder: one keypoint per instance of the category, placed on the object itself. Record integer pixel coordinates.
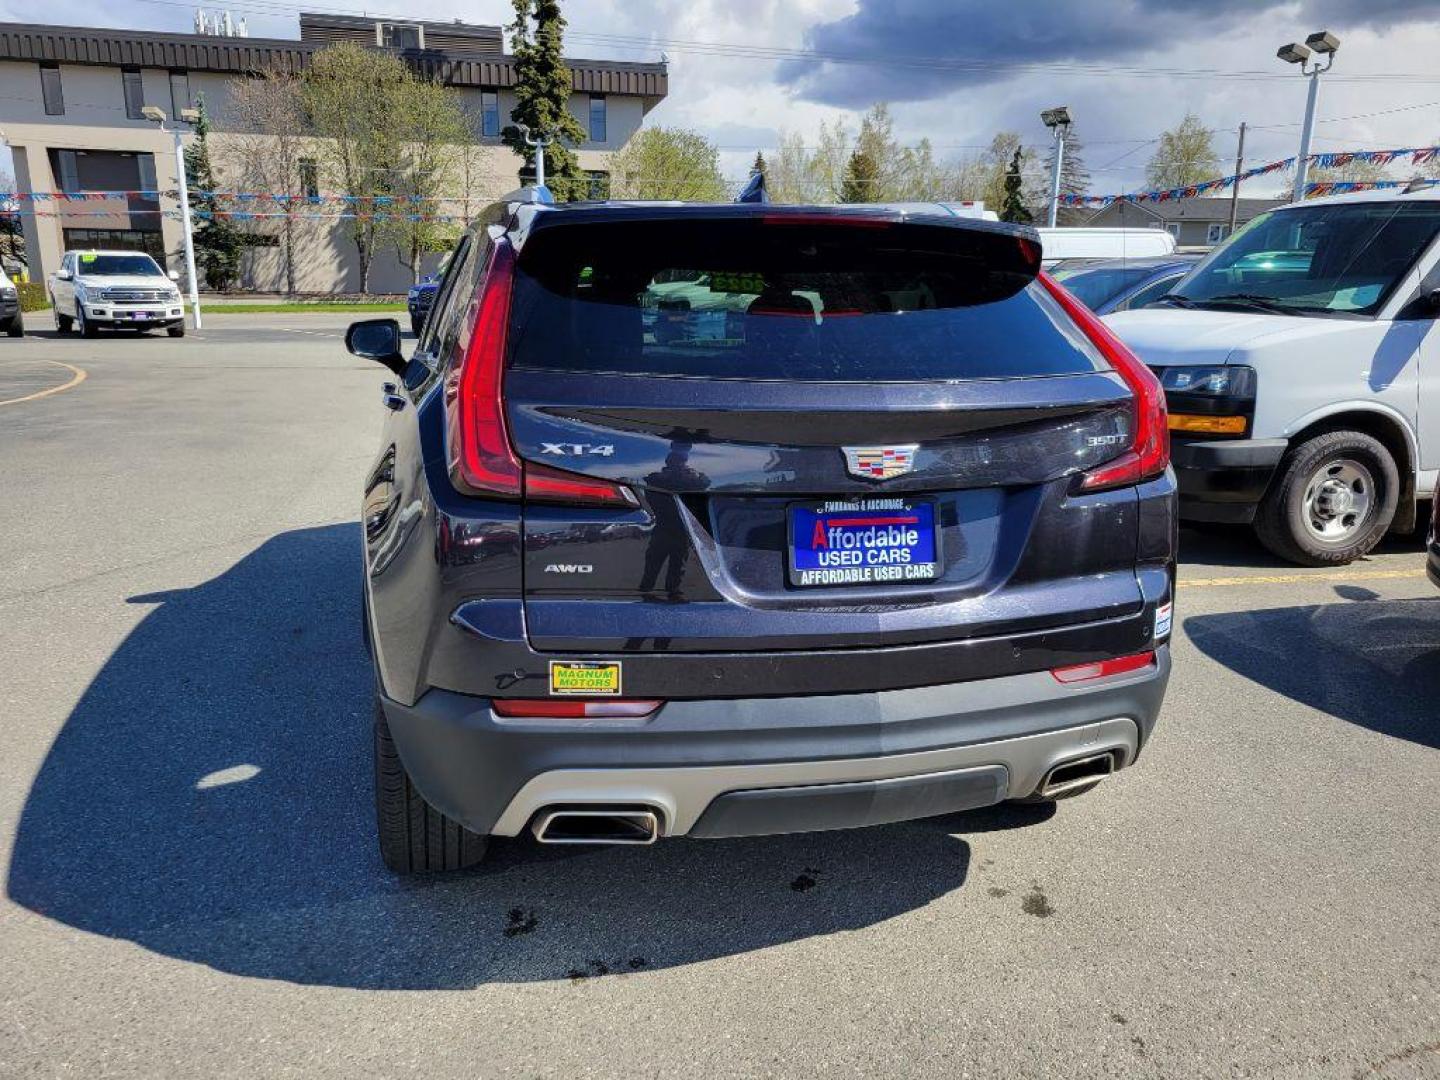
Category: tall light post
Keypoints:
(156, 115)
(539, 142)
(1058, 121)
(1327, 45)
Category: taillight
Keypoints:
(550, 709)
(481, 458)
(1149, 451)
(1104, 669)
(477, 443)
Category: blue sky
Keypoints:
(958, 70)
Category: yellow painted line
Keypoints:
(75, 380)
(1292, 579)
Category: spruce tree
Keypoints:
(759, 166)
(1013, 208)
(218, 244)
(862, 177)
(542, 97)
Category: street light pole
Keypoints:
(185, 226)
(539, 142)
(1327, 45)
(1058, 121)
(1235, 187)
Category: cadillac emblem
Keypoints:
(879, 462)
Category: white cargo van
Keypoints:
(1301, 364)
(1060, 244)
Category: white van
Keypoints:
(1059, 244)
(1301, 365)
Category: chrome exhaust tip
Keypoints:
(598, 825)
(1077, 772)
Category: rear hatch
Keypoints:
(838, 430)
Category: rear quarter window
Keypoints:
(745, 299)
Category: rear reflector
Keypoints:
(546, 709)
(1101, 669)
(1208, 425)
(1149, 451)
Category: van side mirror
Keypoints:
(378, 340)
(63, 275)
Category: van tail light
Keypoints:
(482, 461)
(550, 709)
(1104, 669)
(1149, 450)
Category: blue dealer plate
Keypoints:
(863, 542)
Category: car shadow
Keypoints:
(1372, 664)
(209, 799)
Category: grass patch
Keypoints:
(291, 309)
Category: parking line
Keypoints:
(76, 380)
(1291, 579)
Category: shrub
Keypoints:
(32, 296)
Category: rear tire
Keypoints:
(414, 836)
(175, 331)
(416, 325)
(1332, 501)
(63, 322)
(16, 327)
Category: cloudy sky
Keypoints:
(743, 71)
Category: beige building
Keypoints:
(71, 116)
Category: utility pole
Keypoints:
(1235, 187)
(185, 225)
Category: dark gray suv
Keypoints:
(723, 520)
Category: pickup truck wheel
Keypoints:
(86, 327)
(414, 836)
(62, 322)
(175, 331)
(1332, 500)
(16, 327)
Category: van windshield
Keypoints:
(746, 299)
(1337, 259)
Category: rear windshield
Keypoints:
(746, 299)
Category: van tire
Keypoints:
(1282, 520)
(414, 836)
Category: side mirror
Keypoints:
(63, 275)
(173, 275)
(378, 340)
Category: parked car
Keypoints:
(1109, 285)
(116, 289)
(897, 540)
(421, 296)
(1302, 367)
(1432, 539)
(10, 316)
(1078, 242)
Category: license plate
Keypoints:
(585, 679)
(144, 315)
(863, 542)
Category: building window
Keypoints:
(309, 177)
(1173, 228)
(149, 241)
(69, 170)
(50, 87)
(597, 118)
(179, 93)
(134, 93)
(1216, 232)
(489, 113)
(399, 36)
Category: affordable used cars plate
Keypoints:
(863, 541)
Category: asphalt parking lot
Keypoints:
(192, 886)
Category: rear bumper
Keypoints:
(773, 765)
(1224, 480)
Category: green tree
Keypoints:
(1074, 178)
(542, 97)
(1186, 156)
(218, 244)
(759, 165)
(1013, 209)
(668, 163)
(433, 130)
(354, 97)
(996, 162)
(875, 169)
(862, 178)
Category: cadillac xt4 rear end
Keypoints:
(734, 520)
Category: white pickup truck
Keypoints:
(1301, 366)
(115, 289)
